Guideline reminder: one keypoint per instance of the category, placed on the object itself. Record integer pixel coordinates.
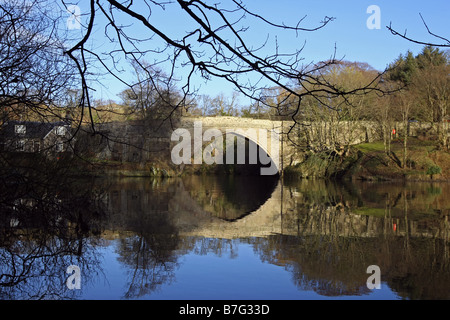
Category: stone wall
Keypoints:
(132, 141)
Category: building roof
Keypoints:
(34, 129)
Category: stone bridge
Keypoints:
(199, 140)
(279, 139)
(202, 140)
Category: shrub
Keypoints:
(434, 169)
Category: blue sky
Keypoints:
(348, 32)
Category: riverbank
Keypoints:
(369, 161)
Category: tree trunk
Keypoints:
(405, 144)
(443, 131)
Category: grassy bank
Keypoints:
(369, 161)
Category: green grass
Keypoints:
(376, 212)
(397, 144)
(370, 147)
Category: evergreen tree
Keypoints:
(403, 68)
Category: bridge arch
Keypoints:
(266, 158)
(264, 134)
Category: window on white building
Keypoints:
(20, 128)
(60, 131)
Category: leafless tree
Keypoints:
(34, 73)
(445, 41)
(212, 43)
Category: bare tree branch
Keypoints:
(403, 35)
(214, 45)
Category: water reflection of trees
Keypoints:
(336, 266)
(149, 238)
(330, 234)
(48, 222)
(336, 231)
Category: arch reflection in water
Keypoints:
(230, 197)
(326, 235)
(161, 241)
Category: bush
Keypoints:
(434, 169)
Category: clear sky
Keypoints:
(348, 32)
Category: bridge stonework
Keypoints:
(269, 135)
(292, 137)
(284, 143)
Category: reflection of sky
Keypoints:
(242, 276)
(110, 283)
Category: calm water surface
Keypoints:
(231, 238)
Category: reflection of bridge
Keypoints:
(286, 212)
(264, 221)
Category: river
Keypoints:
(230, 237)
